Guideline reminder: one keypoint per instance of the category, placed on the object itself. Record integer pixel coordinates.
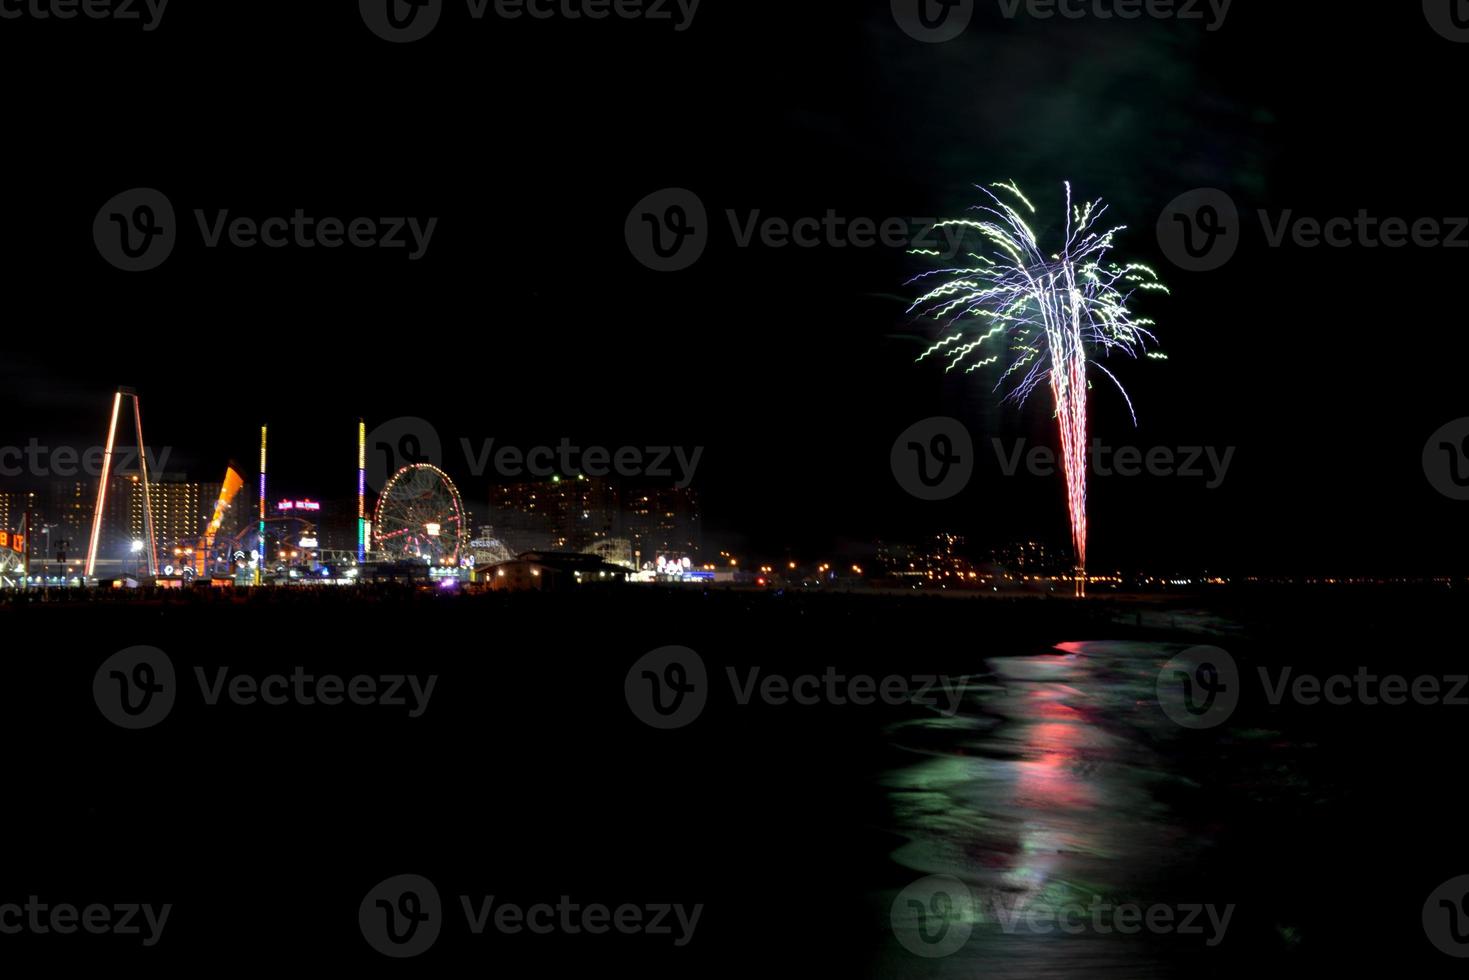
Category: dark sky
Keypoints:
(529, 321)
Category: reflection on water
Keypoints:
(1043, 792)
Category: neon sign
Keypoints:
(298, 505)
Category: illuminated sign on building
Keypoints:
(297, 505)
(15, 542)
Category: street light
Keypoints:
(46, 559)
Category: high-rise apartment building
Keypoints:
(561, 514)
(664, 522)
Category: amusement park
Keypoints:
(417, 529)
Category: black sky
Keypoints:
(529, 320)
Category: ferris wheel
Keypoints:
(420, 517)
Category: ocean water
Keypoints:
(1056, 795)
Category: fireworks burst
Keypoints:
(1044, 317)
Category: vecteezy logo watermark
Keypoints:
(39, 918)
(402, 21)
(1446, 917)
(149, 13)
(136, 231)
(669, 688)
(668, 231)
(1449, 17)
(403, 441)
(1200, 231)
(933, 21)
(935, 916)
(933, 459)
(38, 460)
(677, 463)
(403, 916)
(1199, 688)
(1206, 463)
(1446, 460)
(135, 688)
(409, 440)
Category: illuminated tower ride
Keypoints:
(260, 555)
(361, 493)
(150, 544)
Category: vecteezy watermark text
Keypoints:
(137, 230)
(1212, 12)
(668, 231)
(403, 916)
(669, 688)
(935, 916)
(572, 918)
(1363, 687)
(404, 21)
(40, 918)
(148, 13)
(1019, 913)
(136, 688)
(1202, 686)
(301, 230)
(935, 459)
(1206, 463)
(1200, 230)
(409, 440)
(42, 461)
(938, 21)
(674, 462)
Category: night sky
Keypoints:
(529, 320)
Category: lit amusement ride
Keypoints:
(420, 517)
